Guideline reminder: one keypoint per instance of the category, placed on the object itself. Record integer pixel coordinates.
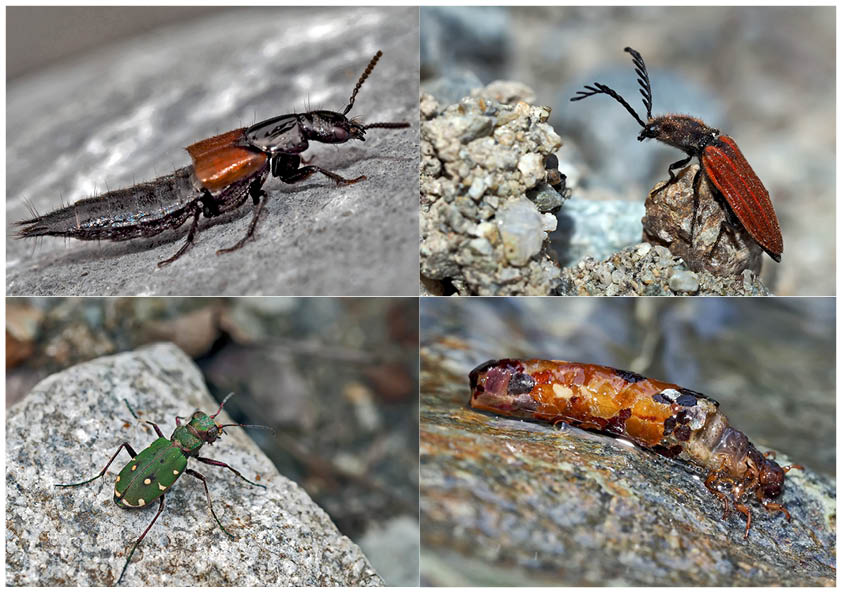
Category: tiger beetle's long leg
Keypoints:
(125, 445)
(151, 423)
(221, 464)
(201, 477)
(137, 543)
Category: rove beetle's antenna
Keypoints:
(720, 158)
(360, 82)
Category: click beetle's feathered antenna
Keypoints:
(645, 90)
(643, 80)
(360, 82)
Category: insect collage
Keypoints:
(410, 302)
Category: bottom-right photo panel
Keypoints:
(628, 442)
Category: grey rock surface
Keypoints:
(123, 115)
(69, 426)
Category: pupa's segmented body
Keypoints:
(675, 422)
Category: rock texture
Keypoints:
(67, 429)
(486, 208)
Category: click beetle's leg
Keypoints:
(673, 177)
(125, 445)
(221, 464)
(696, 181)
(201, 478)
(197, 210)
(257, 194)
(305, 172)
(137, 543)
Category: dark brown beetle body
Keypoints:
(226, 171)
(721, 161)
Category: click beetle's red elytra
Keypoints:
(227, 169)
(721, 161)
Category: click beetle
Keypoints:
(721, 161)
(226, 170)
(151, 473)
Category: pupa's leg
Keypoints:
(746, 511)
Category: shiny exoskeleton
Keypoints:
(227, 170)
(747, 201)
(673, 421)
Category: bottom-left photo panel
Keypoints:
(295, 420)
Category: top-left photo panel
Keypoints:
(212, 151)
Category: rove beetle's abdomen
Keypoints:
(721, 161)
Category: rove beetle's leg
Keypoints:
(673, 177)
(189, 242)
(221, 464)
(201, 478)
(210, 208)
(137, 543)
(125, 445)
(256, 192)
(305, 172)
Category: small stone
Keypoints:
(685, 281)
(521, 227)
(478, 188)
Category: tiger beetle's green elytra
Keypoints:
(149, 475)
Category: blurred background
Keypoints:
(337, 378)
(764, 75)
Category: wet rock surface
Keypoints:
(508, 502)
(123, 115)
(70, 425)
(710, 244)
(486, 208)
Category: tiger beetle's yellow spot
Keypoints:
(141, 502)
(134, 467)
(175, 471)
(147, 481)
(116, 493)
(118, 479)
(126, 502)
(162, 487)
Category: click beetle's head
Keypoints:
(651, 130)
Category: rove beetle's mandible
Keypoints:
(720, 158)
(150, 474)
(227, 169)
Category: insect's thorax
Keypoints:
(687, 133)
(189, 443)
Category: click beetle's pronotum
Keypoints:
(150, 474)
(227, 169)
(721, 161)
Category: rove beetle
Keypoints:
(227, 169)
(721, 161)
(150, 474)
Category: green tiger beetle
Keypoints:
(149, 475)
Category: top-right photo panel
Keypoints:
(628, 151)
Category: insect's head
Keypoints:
(771, 477)
(651, 126)
(206, 428)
